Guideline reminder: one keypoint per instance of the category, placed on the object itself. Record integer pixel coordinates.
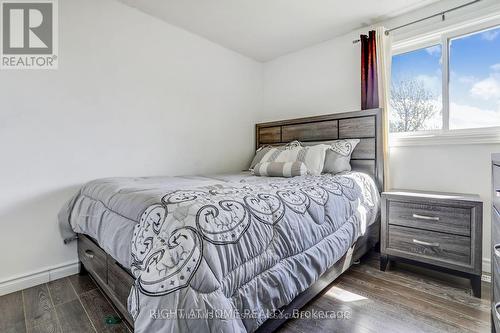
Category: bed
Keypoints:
(226, 252)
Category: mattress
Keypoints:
(236, 245)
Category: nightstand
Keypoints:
(438, 230)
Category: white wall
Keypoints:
(133, 96)
(325, 78)
(317, 80)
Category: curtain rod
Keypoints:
(442, 14)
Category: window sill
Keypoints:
(453, 137)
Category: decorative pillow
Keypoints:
(274, 153)
(338, 157)
(312, 156)
(280, 169)
(259, 154)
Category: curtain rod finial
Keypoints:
(387, 32)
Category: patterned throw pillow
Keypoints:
(260, 153)
(280, 169)
(338, 157)
(312, 156)
(273, 153)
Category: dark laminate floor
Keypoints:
(403, 299)
(72, 304)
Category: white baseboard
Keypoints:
(35, 278)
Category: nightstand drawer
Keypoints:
(429, 244)
(449, 219)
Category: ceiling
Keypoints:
(266, 29)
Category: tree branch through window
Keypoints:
(412, 105)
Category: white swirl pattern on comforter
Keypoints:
(223, 245)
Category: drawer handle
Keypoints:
(416, 241)
(496, 310)
(89, 254)
(497, 250)
(423, 217)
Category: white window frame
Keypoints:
(485, 135)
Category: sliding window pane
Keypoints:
(475, 80)
(416, 99)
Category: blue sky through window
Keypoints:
(475, 80)
(474, 67)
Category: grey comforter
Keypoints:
(220, 253)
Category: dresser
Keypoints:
(442, 231)
(495, 242)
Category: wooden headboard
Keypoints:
(365, 125)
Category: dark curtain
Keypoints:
(369, 84)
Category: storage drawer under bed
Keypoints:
(114, 280)
(119, 280)
(93, 258)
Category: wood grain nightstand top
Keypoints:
(431, 195)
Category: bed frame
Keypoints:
(115, 281)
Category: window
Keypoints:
(416, 90)
(448, 82)
(475, 80)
